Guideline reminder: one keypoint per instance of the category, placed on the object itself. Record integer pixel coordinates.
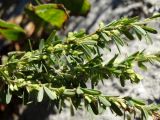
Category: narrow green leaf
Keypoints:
(69, 93)
(117, 45)
(148, 38)
(40, 68)
(130, 103)
(79, 91)
(104, 101)
(118, 40)
(122, 81)
(60, 105)
(90, 109)
(116, 109)
(51, 94)
(105, 37)
(112, 60)
(138, 34)
(51, 37)
(81, 33)
(149, 29)
(145, 113)
(112, 23)
(89, 42)
(94, 106)
(91, 91)
(40, 94)
(139, 30)
(138, 101)
(41, 45)
(155, 16)
(72, 108)
(87, 51)
(128, 34)
(142, 66)
(8, 96)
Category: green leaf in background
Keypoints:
(51, 13)
(77, 7)
(11, 31)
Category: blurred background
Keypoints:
(100, 10)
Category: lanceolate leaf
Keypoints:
(118, 40)
(8, 96)
(111, 62)
(72, 108)
(91, 91)
(104, 101)
(128, 34)
(41, 45)
(149, 29)
(122, 81)
(138, 101)
(94, 106)
(51, 94)
(155, 16)
(116, 109)
(40, 94)
(145, 113)
(148, 38)
(51, 38)
(139, 30)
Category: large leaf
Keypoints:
(11, 31)
(54, 14)
(80, 7)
